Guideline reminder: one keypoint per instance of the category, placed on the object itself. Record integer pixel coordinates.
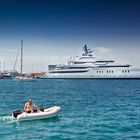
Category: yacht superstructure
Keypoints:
(87, 66)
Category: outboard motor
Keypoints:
(16, 113)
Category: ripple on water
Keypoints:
(91, 109)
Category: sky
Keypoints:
(54, 30)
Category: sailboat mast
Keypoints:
(21, 56)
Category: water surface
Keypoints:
(91, 109)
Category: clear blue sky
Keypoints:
(53, 29)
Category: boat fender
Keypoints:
(16, 113)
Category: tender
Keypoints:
(47, 113)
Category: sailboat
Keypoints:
(21, 76)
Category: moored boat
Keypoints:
(21, 76)
(1, 76)
(24, 78)
(88, 66)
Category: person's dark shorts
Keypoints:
(34, 110)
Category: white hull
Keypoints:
(23, 78)
(48, 113)
(98, 74)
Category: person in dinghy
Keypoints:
(31, 107)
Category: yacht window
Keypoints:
(67, 71)
(128, 71)
(107, 71)
(86, 57)
(123, 71)
(112, 71)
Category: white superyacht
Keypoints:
(87, 66)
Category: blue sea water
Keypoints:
(91, 109)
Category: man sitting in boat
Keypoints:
(30, 107)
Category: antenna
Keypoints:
(87, 51)
(15, 61)
(21, 56)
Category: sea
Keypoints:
(90, 109)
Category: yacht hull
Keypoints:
(97, 74)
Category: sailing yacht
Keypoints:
(88, 66)
(21, 76)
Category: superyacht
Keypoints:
(87, 66)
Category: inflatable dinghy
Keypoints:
(46, 113)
